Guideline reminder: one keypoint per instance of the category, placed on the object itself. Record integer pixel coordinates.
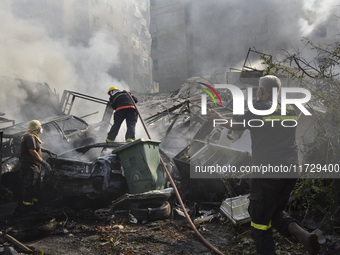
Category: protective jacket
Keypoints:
(274, 142)
(124, 110)
(120, 100)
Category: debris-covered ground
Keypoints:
(81, 232)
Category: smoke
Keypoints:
(223, 30)
(315, 16)
(28, 52)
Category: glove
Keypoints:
(52, 154)
(46, 166)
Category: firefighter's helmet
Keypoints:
(111, 89)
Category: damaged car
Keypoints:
(89, 173)
(60, 133)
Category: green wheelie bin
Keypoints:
(141, 163)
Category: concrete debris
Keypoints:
(132, 219)
(206, 219)
(178, 218)
(120, 227)
(103, 213)
(8, 251)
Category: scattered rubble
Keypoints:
(93, 203)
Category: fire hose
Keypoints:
(204, 241)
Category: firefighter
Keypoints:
(124, 110)
(272, 145)
(31, 161)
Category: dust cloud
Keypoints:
(29, 53)
(223, 30)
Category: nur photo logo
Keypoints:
(239, 98)
(204, 97)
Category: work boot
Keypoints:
(27, 203)
(109, 141)
(308, 240)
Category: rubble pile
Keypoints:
(115, 198)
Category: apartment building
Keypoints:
(198, 38)
(169, 43)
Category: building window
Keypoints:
(154, 43)
(135, 43)
(136, 60)
(155, 65)
(146, 80)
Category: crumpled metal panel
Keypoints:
(10, 165)
(128, 201)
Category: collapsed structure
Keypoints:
(177, 120)
(91, 173)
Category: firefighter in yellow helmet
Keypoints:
(124, 110)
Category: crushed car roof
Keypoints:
(22, 127)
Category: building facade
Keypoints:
(199, 38)
(169, 50)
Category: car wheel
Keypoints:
(154, 211)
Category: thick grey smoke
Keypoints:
(28, 52)
(221, 30)
(224, 30)
(319, 18)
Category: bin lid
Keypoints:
(140, 140)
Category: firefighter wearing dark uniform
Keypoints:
(272, 144)
(124, 110)
(31, 161)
